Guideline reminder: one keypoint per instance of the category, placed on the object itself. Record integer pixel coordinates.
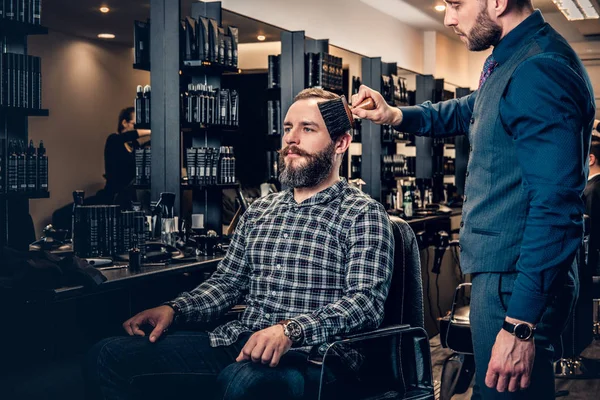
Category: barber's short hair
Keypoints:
(595, 148)
(315, 93)
(521, 4)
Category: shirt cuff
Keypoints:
(178, 304)
(411, 119)
(526, 306)
(311, 328)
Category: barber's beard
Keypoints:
(485, 33)
(316, 169)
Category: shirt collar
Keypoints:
(593, 176)
(324, 196)
(519, 35)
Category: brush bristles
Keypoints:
(335, 116)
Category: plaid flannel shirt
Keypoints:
(326, 263)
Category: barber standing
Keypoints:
(529, 126)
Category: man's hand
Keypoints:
(160, 318)
(511, 363)
(266, 346)
(383, 114)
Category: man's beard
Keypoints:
(317, 168)
(485, 33)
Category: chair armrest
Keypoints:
(372, 334)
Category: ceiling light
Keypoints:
(104, 9)
(575, 10)
(440, 8)
(261, 38)
(106, 35)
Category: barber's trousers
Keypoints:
(490, 296)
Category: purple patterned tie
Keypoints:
(488, 68)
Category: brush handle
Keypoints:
(366, 104)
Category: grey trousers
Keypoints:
(490, 296)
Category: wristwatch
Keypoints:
(292, 330)
(177, 310)
(520, 331)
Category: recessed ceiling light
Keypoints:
(440, 7)
(104, 9)
(261, 38)
(106, 35)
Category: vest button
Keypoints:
(462, 224)
(470, 148)
(467, 174)
(465, 200)
(472, 121)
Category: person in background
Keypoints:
(591, 195)
(311, 262)
(119, 159)
(529, 126)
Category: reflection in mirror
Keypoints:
(87, 80)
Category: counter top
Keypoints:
(117, 278)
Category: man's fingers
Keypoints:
(513, 384)
(267, 355)
(136, 330)
(525, 381)
(257, 352)
(491, 378)
(275, 359)
(157, 331)
(247, 349)
(502, 383)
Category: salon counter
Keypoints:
(121, 277)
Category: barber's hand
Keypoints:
(266, 346)
(511, 363)
(383, 114)
(159, 317)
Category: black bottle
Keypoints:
(189, 103)
(21, 167)
(42, 170)
(13, 185)
(139, 105)
(147, 90)
(31, 161)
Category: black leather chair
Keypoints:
(397, 356)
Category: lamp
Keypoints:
(575, 10)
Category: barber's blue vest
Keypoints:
(495, 205)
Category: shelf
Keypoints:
(187, 186)
(21, 111)
(142, 67)
(141, 187)
(21, 28)
(40, 194)
(191, 128)
(142, 126)
(193, 67)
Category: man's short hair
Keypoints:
(595, 148)
(315, 93)
(521, 4)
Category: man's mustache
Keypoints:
(284, 152)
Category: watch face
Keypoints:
(523, 331)
(295, 330)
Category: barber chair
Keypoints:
(455, 334)
(397, 356)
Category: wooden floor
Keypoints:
(578, 389)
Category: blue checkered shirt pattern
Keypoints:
(326, 263)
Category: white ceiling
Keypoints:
(82, 18)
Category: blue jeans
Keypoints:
(490, 296)
(184, 365)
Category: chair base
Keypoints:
(577, 368)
